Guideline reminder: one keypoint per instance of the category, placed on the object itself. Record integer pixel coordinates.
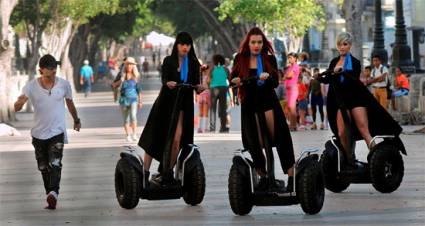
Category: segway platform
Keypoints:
(130, 183)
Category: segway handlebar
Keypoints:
(246, 80)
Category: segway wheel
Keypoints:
(127, 184)
(311, 188)
(386, 168)
(239, 192)
(194, 185)
(329, 163)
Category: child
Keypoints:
(302, 103)
(316, 99)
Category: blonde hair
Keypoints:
(344, 37)
(135, 73)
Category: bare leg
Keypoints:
(147, 160)
(293, 119)
(126, 129)
(361, 120)
(133, 127)
(176, 142)
(341, 133)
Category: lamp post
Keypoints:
(378, 35)
(401, 51)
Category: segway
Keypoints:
(131, 183)
(384, 169)
(244, 192)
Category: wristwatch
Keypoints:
(77, 121)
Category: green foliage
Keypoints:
(182, 16)
(82, 10)
(291, 16)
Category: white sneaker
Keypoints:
(51, 200)
(135, 138)
(129, 138)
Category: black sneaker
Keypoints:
(163, 180)
(262, 184)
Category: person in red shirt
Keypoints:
(302, 102)
(401, 86)
(401, 83)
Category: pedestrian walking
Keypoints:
(204, 99)
(316, 100)
(130, 97)
(86, 77)
(219, 86)
(48, 94)
(291, 80)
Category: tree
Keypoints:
(201, 19)
(6, 53)
(352, 11)
(291, 18)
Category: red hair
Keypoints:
(241, 66)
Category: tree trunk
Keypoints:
(352, 11)
(220, 31)
(6, 54)
(78, 50)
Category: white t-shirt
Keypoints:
(49, 108)
(377, 72)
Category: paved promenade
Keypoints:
(87, 195)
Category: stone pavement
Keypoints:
(87, 189)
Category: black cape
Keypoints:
(160, 127)
(251, 104)
(352, 93)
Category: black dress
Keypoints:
(260, 99)
(159, 124)
(350, 93)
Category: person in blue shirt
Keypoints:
(86, 77)
(130, 97)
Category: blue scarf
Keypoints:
(184, 69)
(259, 70)
(348, 66)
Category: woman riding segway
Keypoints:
(181, 66)
(256, 58)
(354, 114)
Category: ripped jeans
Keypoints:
(49, 160)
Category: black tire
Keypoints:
(329, 166)
(311, 188)
(386, 168)
(240, 196)
(127, 184)
(194, 185)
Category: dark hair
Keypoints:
(184, 38)
(292, 54)
(368, 67)
(401, 70)
(218, 59)
(304, 56)
(376, 56)
(48, 61)
(241, 66)
(316, 69)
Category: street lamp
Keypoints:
(401, 51)
(378, 35)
